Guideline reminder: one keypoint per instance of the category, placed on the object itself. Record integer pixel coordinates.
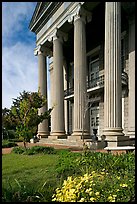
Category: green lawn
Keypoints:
(28, 172)
(34, 178)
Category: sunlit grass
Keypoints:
(30, 171)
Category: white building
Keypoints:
(91, 46)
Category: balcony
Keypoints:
(97, 83)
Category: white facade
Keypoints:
(92, 70)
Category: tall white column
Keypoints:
(131, 101)
(65, 101)
(113, 87)
(80, 69)
(43, 130)
(57, 121)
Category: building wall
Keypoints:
(126, 96)
(101, 116)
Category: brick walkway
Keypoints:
(74, 149)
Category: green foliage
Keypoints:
(18, 150)
(28, 178)
(16, 140)
(24, 114)
(117, 173)
(8, 144)
(92, 177)
(67, 164)
(8, 128)
(90, 161)
(95, 187)
(34, 150)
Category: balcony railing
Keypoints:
(69, 92)
(97, 82)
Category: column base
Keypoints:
(131, 134)
(58, 135)
(117, 141)
(42, 134)
(78, 135)
(115, 137)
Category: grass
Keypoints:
(23, 171)
(34, 178)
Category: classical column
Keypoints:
(80, 69)
(131, 101)
(57, 121)
(112, 90)
(42, 85)
(65, 101)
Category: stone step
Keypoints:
(79, 143)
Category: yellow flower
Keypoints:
(110, 197)
(114, 196)
(92, 199)
(81, 200)
(118, 177)
(123, 185)
(97, 193)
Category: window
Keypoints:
(97, 121)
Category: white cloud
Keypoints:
(19, 71)
(19, 65)
(13, 15)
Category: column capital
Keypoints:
(80, 13)
(40, 49)
(57, 34)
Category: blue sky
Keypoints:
(19, 65)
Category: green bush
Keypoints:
(16, 140)
(34, 150)
(8, 144)
(67, 164)
(112, 163)
(40, 149)
(18, 150)
(117, 173)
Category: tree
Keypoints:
(8, 128)
(24, 114)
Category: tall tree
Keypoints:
(24, 114)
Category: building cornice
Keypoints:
(40, 19)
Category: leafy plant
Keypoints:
(95, 187)
(34, 150)
(7, 144)
(24, 114)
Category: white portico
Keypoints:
(91, 70)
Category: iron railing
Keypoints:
(97, 82)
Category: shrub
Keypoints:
(67, 164)
(40, 149)
(16, 140)
(95, 187)
(18, 150)
(34, 150)
(112, 163)
(7, 144)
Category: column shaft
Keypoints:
(113, 93)
(80, 89)
(131, 101)
(42, 83)
(58, 126)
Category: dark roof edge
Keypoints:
(47, 12)
(34, 16)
